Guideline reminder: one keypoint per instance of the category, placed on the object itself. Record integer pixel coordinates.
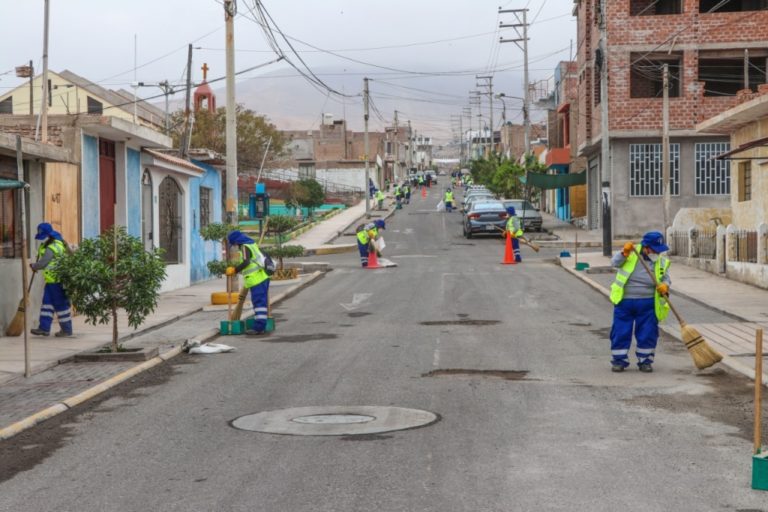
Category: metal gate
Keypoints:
(170, 208)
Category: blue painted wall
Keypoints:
(133, 191)
(90, 191)
(201, 252)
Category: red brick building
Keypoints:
(707, 47)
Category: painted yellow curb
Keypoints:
(31, 421)
(335, 250)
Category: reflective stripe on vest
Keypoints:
(362, 237)
(49, 272)
(254, 274)
(661, 306)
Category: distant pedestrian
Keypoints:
(515, 230)
(448, 200)
(54, 296)
(639, 304)
(255, 278)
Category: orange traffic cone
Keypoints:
(373, 260)
(509, 257)
(423, 193)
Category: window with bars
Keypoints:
(645, 170)
(745, 181)
(713, 177)
(205, 207)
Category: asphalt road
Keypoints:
(513, 359)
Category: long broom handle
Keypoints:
(758, 390)
(524, 240)
(656, 283)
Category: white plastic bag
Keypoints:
(211, 348)
(440, 206)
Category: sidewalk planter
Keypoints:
(130, 354)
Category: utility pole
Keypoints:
(665, 158)
(605, 139)
(522, 37)
(467, 112)
(410, 145)
(397, 150)
(367, 169)
(230, 11)
(44, 108)
(489, 85)
(185, 139)
(475, 100)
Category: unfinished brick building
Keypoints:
(715, 50)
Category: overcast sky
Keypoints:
(454, 39)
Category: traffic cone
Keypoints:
(509, 257)
(423, 193)
(373, 260)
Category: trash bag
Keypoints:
(209, 348)
(440, 206)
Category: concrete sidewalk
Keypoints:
(746, 305)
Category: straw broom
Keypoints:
(522, 240)
(16, 326)
(703, 355)
(238, 312)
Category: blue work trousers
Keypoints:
(54, 299)
(363, 248)
(260, 301)
(516, 249)
(449, 206)
(638, 315)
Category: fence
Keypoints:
(746, 246)
(724, 244)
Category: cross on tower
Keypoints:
(205, 70)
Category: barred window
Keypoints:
(713, 177)
(645, 170)
(205, 207)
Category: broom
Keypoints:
(522, 240)
(238, 312)
(16, 327)
(703, 355)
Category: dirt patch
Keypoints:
(603, 332)
(300, 338)
(492, 374)
(463, 243)
(730, 403)
(346, 325)
(463, 321)
(462, 315)
(33, 446)
(580, 324)
(357, 314)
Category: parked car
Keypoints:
(527, 212)
(485, 217)
(467, 198)
(477, 197)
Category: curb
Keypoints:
(71, 402)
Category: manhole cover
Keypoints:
(335, 420)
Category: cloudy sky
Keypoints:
(421, 54)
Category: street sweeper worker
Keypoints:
(255, 277)
(380, 199)
(363, 243)
(448, 199)
(515, 230)
(54, 296)
(639, 304)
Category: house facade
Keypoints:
(118, 173)
(704, 44)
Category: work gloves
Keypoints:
(628, 248)
(662, 288)
(230, 271)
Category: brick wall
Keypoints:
(684, 33)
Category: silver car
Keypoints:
(529, 214)
(485, 217)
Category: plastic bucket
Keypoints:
(582, 266)
(760, 471)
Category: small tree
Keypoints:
(307, 193)
(280, 225)
(217, 232)
(112, 272)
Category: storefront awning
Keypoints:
(6, 184)
(553, 181)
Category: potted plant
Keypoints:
(109, 273)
